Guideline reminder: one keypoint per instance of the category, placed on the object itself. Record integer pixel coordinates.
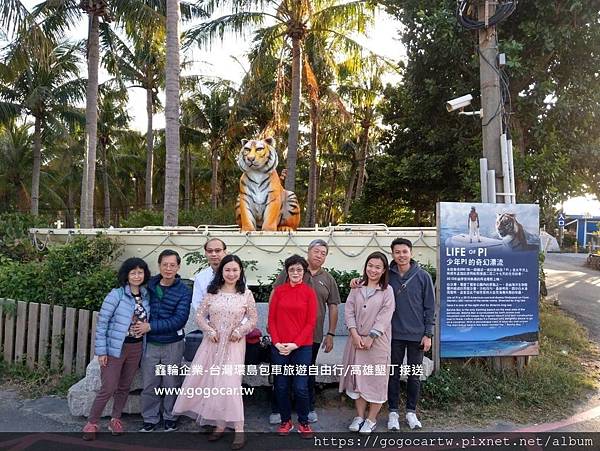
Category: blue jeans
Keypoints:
(300, 356)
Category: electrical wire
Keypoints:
(466, 8)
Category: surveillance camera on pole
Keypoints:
(459, 103)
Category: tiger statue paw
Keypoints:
(263, 203)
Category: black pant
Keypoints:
(311, 384)
(414, 357)
(311, 379)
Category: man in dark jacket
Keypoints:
(412, 327)
(170, 302)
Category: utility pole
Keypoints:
(489, 79)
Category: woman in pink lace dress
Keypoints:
(226, 315)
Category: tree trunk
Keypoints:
(311, 198)
(149, 149)
(172, 168)
(37, 163)
(350, 188)
(91, 126)
(187, 170)
(105, 186)
(332, 189)
(292, 155)
(214, 179)
(70, 217)
(362, 158)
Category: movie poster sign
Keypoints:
(488, 279)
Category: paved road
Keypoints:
(577, 287)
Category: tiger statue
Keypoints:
(263, 204)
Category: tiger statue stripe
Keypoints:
(263, 204)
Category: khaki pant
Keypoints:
(167, 354)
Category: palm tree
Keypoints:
(172, 168)
(364, 90)
(61, 14)
(294, 21)
(113, 121)
(95, 9)
(209, 114)
(143, 66)
(45, 88)
(15, 164)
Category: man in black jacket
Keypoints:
(170, 302)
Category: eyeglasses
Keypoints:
(214, 251)
(296, 270)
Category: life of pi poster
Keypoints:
(488, 279)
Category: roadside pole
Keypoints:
(491, 103)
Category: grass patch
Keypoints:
(472, 392)
(37, 382)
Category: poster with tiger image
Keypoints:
(488, 279)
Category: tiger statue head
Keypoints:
(258, 155)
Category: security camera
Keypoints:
(458, 103)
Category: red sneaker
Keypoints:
(285, 427)
(305, 430)
(89, 431)
(115, 426)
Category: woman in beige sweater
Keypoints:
(368, 314)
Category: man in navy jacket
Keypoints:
(170, 302)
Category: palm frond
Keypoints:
(239, 24)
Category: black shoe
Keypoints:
(170, 425)
(147, 427)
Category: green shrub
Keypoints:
(343, 279)
(207, 215)
(15, 243)
(195, 217)
(142, 218)
(76, 274)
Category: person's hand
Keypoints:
(235, 336)
(367, 342)
(357, 341)
(426, 343)
(292, 347)
(103, 360)
(327, 343)
(356, 283)
(282, 348)
(141, 328)
(214, 336)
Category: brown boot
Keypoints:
(239, 440)
(215, 435)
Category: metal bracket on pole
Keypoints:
(491, 183)
(511, 170)
(483, 168)
(505, 169)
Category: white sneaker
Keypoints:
(412, 421)
(367, 427)
(393, 421)
(312, 417)
(356, 424)
(275, 418)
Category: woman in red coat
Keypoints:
(292, 318)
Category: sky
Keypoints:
(227, 60)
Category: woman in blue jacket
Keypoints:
(118, 347)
